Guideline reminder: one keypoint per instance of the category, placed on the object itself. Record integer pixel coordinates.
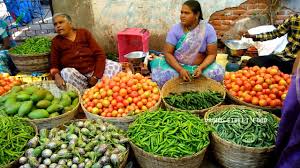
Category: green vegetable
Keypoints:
(194, 100)
(245, 127)
(25, 108)
(14, 135)
(43, 104)
(39, 113)
(169, 133)
(12, 110)
(33, 45)
(54, 108)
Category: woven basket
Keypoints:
(121, 122)
(177, 85)
(15, 163)
(122, 164)
(231, 155)
(31, 63)
(61, 119)
(235, 100)
(147, 160)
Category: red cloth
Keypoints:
(84, 54)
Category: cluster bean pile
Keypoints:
(169, 133)
(33, 45)
(193, 100)
(15, 133)
(245, 127)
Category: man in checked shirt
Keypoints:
(286, 58)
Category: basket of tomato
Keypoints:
(120, 99)
(263, 88)
(7, 82)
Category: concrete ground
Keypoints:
(40, 25)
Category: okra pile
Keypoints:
(14, 135)
(245, 127)
(33, 45)
(193, 100)
(169, 133)
(81, 144)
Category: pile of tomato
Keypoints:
(258, 86)
(124, 94)
(7, 82)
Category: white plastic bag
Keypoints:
(270, 46)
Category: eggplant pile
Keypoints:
(80, 144)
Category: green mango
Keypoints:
(39, 113)
(13, 109)
(54, 108)
(49, 96)
(25, 108)
(43, 104)
(38, 95)
(23, 97)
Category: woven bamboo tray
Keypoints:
(231, 155)
(121, 122)
(147, 160)
(122, 164)
(15, 163)
(177, 85)
(31, 63)
(235, 100)
(61, 119)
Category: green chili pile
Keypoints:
(245, 127)
(169, 133)
(14, 136)
(33, 45)
(193, 100)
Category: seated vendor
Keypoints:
(5, 38)
(285, 59)
(190, 49)
(76, 57)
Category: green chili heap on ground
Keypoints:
(245, 127)
(169, 134)
(33, 45)
(193, 100)
(14, 135)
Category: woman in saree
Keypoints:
(288, 138)
(190, 49)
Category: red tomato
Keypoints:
(248, 98)
(123, 92)
(272, 96)
(262, 102)
(255, 101)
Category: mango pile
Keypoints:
(36, 103)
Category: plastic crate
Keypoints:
(132, 39)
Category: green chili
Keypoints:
(169, 133)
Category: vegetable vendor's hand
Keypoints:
(198, 72)
(59, 81)
(185, 75)
(92, 81)
(247, 35)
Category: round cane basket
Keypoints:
(235, 100)
(177, 85)
(15, 163)
(148, 160)
(31, 63)
(230, 155)
(124, 161)
(121, 122)
(61, 119)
